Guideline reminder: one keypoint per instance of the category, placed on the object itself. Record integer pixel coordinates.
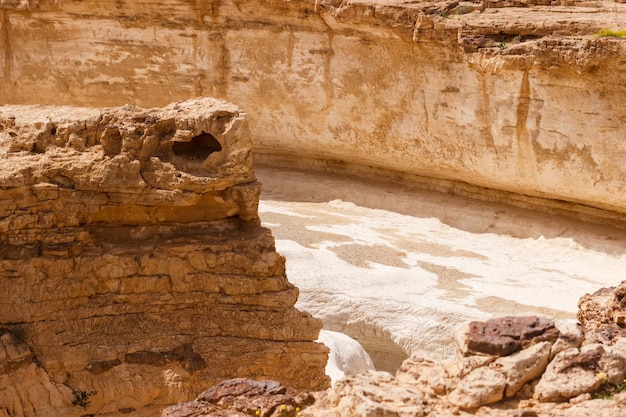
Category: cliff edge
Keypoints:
(133, 265)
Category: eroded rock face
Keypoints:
(548, 377)
(133, 265)
(244, 397)
(603, 314)
(515, 99)
(504, 335)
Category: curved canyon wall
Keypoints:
(133, 268)
(523, 100)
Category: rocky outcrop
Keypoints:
(134, 268)
(550, 373)
(510, 101)
(244, 397)
(554, 373)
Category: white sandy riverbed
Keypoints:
(397, 270)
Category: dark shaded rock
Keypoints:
(185, 355)
(99, 367)
(505, 335)
(522, 413)
(227, 391)
(619, 305)
(188, 359)
(146, 357)
(586, 359)
(243, 397)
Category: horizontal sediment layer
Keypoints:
(519, 97)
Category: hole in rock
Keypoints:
(199, 147)
(38, 147)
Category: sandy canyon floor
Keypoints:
(397, 269)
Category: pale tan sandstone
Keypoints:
(516, 104)
(133, 264)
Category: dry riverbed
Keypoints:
(398, 269)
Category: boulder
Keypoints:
(523, 366)
(571, 373)
(504, 335)
(481, 386)
(243, 397)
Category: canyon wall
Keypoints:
(133, 268)
(518, 104)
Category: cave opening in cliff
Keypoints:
(198, 148)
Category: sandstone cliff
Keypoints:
(514, 101)
(133, 267)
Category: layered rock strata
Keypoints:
(133, 267)
(513, 101)
(508, 366)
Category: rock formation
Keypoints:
(134, 268)
(513, 101)
(513, 366)
(244, 397)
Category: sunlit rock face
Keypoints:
(519, 100)
(133, 265)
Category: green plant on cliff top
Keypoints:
(611, 33)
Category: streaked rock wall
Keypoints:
(133, 268)
(521, 100)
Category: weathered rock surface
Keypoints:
(134, 268)
(602, 315)
(504, 335)
(481, 386)
(507, 100)
(521, 384)
(244, 397)
(373, 393)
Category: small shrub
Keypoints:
(81, 398)
(611, 33)
(607, 390)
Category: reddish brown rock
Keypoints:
(505, 335)
(244, 397)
